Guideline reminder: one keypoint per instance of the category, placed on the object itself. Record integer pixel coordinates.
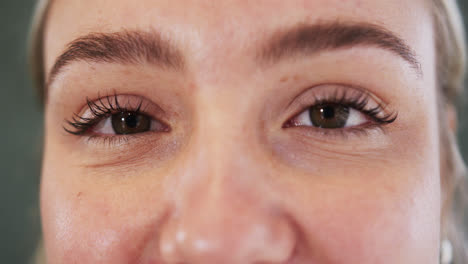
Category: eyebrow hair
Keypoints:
(307, 39)
(126, 47)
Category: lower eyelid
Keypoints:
(347, 134)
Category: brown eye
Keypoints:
(125, 123)
(329, 116)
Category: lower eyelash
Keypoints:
(110, 141)
(345, 133)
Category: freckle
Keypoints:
(192, 87)
(78, 195)
(296, 77)
(284, 79)
(106, 212)
(127, 72)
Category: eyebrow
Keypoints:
(132, 47)
(305, 39)
(126, 47)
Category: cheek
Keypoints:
(78, 230)
(101, 223)
(375, 215)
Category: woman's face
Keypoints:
(300, 131)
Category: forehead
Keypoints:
(200, 25)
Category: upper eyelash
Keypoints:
(99, 110)
(358, 102)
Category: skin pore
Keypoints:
(231, 170)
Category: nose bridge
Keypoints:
(219, 183)
(224, 143)
(217, 175)
(222, 213)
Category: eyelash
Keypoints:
(358, 101)
(99, 110)
(108, 105)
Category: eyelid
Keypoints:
(376, 110)
(97, 109)
(329, 92)
(123, 101)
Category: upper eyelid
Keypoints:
(331, 88)
(127, 102)
(89, 115)
(340, 85)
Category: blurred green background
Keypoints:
(21, 128)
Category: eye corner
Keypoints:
(289, 124)
(348, 110)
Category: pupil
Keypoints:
(131, 120)
(328, 112)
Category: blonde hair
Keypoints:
(450, 65)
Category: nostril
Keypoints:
(279, 242)
(227, 229)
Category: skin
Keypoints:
(228, 183)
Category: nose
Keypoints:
(224, 214)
